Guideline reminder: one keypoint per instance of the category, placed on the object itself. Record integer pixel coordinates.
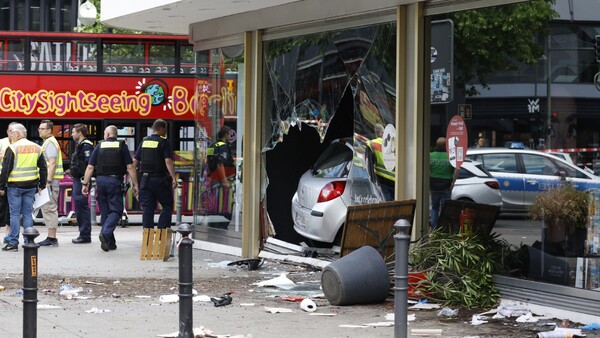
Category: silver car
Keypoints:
(339, 179)
(523, 174)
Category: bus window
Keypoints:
(188, 59)
(125, 57)
(162, 58)
(12, 55)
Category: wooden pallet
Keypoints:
(373, 224)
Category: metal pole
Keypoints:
(548, 93)
(178, 215)
(401, 243)
(186, 329)
(93, 203)
(30, 286)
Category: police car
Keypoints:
(523, 174)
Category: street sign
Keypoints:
(465, 111)
(457, 141)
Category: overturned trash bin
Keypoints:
(358, 278)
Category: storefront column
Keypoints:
(409, 108)
(252, 144)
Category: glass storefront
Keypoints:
(218, 162)
(321, 87)
(531, 88)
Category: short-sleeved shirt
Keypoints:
(441, 172)
(124, 151)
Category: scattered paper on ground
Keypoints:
(282, 282)
(380, 324)
(392, 317)
(246, 304)
(426, 332)
(202, 332)
(174, 298)
(277, 310)
(201, 298)
(222, 264)
(46, 307)
(97, 310)
(478, 320)
(424, 306)
(142, 296)
(93, 283)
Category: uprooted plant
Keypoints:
(458, 269)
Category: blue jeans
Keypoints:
(82, 211)
(110, 202)
(438, 198)
(156, 189)
(20, 202)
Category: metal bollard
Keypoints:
(401, 243)
(93, 202)
(186, 329)
(30, 285)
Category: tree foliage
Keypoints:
(99, 27)
(490, 40)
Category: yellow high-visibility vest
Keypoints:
(58, 172)
(380, 170)
(25, 165)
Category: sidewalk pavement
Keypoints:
(142, 314)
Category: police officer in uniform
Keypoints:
(79, 162)
(24, 172)
(155, 159)
(111, 160)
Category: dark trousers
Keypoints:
(110, 202)
(156, 189)
(4, 211)
(82, 211)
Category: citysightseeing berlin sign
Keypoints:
(83, 97)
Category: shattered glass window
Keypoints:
(308, 76)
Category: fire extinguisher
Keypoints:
(467, 216)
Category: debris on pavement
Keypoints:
(282, 282)
(308, 305)
(392, 316)
(68, 291)
(93, 283)
(174, 298)
(97, 310)
(277, 310)
(424, 306)
(478, 320)
(223, 300)
(47, 307)
(201, 298)
(591, 327)
(447, 312)
(253, 263)
(202, 332)
(314, 263)
(324, 314)
(560, 332)
(426, 332)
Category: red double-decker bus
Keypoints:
(106, 79)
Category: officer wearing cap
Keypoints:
(111, 160)
(155, 159)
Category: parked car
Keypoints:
(476, 184)
(339, 178)
(523, 174)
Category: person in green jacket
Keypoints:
(441, 179)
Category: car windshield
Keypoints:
(334, 162)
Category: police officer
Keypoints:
(220, 160)
(24, 172)
(111, 160)
(155, 159)
(79, 162)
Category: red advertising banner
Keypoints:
(457, 141)
(96, 97)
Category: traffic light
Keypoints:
(597, 47)
(554, 117)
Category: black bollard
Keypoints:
(92, 193)
(30, 270)
(186, 322)
(401, 243)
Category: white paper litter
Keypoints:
(478, 320)
(201, 298)
(142, 296)
(97, 310)
(282, 282)
(47, 307)
(222, 264)
(174, 298)
(247, 304)
(391, 316)
(380, 324)
(277, 310)
(424, 306)
(324, 314)
(527, 318)
(202, 332)
(93, 283)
